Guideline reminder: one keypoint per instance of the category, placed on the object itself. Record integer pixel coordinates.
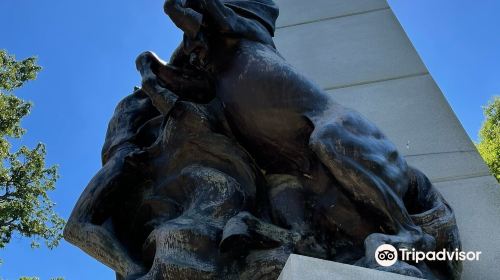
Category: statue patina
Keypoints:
(228, 160)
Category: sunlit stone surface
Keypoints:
(358, 51)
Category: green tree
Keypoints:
(25, 207)
(489, 137)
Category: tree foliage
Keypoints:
(25, 207)
(489, 137)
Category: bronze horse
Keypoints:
(228, 160)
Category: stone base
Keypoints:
(300, 268)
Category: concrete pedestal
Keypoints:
(305, 268)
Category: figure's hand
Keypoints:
(147, 63)
(160, 79)
(162, 97)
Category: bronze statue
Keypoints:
(230, 160)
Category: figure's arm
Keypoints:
(224, 18)
(229, 22)
(187, 19)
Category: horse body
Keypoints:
(278, 111)
(335, 188)
(270, 104)
(284, 119)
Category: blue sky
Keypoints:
(88, 48)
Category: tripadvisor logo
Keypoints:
(387, 255)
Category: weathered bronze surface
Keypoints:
(228, 159)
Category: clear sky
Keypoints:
(88, 48)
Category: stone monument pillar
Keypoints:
(358, 52)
